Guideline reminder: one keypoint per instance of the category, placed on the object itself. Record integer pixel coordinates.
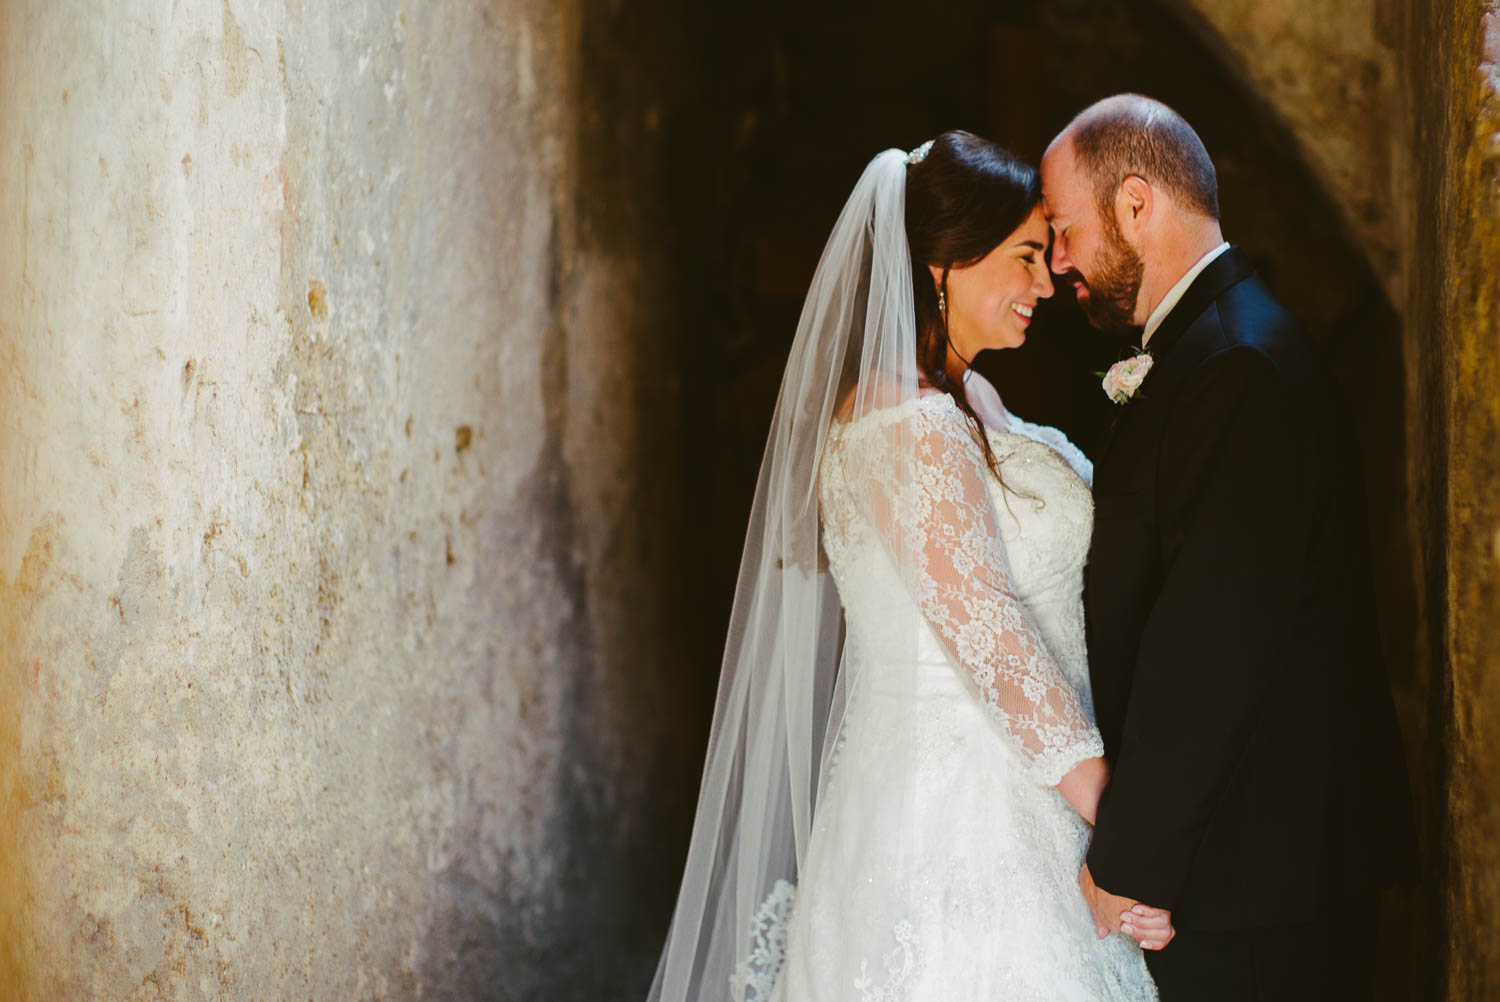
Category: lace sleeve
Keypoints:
(939, 522)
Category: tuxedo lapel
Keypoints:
(1228, 269)
(1114, 426)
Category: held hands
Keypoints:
(1152, 927)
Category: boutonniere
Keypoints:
(1125, 377)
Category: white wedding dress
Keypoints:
(942, 863)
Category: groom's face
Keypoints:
(1088, 250)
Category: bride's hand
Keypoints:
(1151, 927)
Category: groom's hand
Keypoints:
(1151, 927)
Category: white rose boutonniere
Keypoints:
(1124, 378)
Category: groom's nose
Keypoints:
(1043, 285)
(1059, 260)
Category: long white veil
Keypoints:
(781, 695)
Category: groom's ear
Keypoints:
(1134, 203)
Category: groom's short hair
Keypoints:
(1133, 134)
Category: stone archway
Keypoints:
(762, 117)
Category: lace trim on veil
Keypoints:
(754, 978)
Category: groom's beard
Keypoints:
(1116, 285)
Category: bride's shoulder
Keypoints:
(929, 408)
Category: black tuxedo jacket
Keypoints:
(1256, 770)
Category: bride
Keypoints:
(903, 765)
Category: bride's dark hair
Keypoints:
(962, 200)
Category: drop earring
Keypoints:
(943, 308)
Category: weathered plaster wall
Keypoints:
(325, 582)
(351, 368)
(1332, 72)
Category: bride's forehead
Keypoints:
(1035, 218)
(1032, 230)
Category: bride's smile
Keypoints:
(990, 302)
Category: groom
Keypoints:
(1257, 787)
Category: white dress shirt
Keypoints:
(1175, 293)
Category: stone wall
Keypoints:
(328, 508)
(1454, 342)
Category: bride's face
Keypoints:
(990, 302)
